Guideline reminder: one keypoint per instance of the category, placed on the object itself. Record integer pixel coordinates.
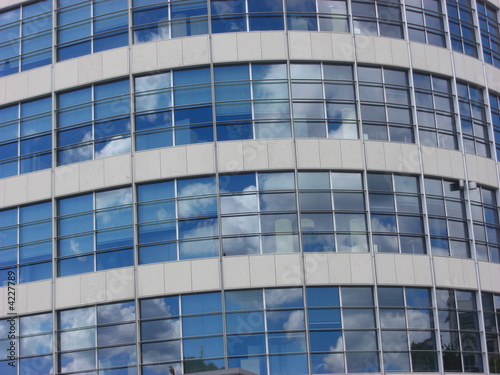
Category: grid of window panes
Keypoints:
(462, 29)
(26, 37)
(320, 193)
(486, 223)
(93, 122)
(30, 337)
(490, 33)
(459, 329)
(25, 137)
(314, 101)
(385, 104)
(396, 214)
(85, 27)
(447, 218)
(408, 333)
(95, 232)
(98, 337)
(375, 17)
(473, 120)
(266, 331)
(435, 111)
(491, 316)
(177, 220)
(156, 20)
(26, 243)
(425, 21)
(495, 119)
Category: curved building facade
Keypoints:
(283, 186)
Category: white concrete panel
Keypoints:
(262, 271)
(432, 58)
(404, 269)
(67, 291)
(178, 277)
(457, 164)
(280, 153)
(16, 189)
(21, 298)
(169, 53)
(3, 90)
(92, 174)
(173, 161)
(495, 280)
(115, 62)
(468, 68)
(93, 287)
(67, 179)
(472, 170)
(339, 265)
(444, 164)
(493, 77)
(375, 155)
(393, 156)
(492, 173)
(383, 51)
(321, 46)
(236, 272)
(330, 155)
(120, 283)
(117, 170)
(273, 45)
(200, 158)
(224, 47)
(307, 153)
(399, 53)
(429, 160)
(150, 279)
(456, 272)
(249, 46)
(365, 48)
(361, 268)
(299, 44)
(195, 50)
(442, 272)
(481, 170)
(205, 274)
(230, 156)
(2, 193)
(316, 268)
(147, 165)
(343, 47)
(144, 57)
(485, 276)
(288, 269)
(418, 59)
(255, 154)
(469, 273)
(40, 80)
(39, 185)
(422, 270)
(411, 158)
(16, 87)
(445, 64)
(66, 74)
(352, 156)
(385, 268)
(90, 68)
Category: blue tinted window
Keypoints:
(201, 303)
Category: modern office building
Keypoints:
(279, 186)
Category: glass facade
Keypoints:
(83, 27)
(315, 330)
(315, 193)
(25, 137)
(25, 37)
(249, 101)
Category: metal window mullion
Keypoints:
(91, 20)
(94, 223)
(176, 209)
